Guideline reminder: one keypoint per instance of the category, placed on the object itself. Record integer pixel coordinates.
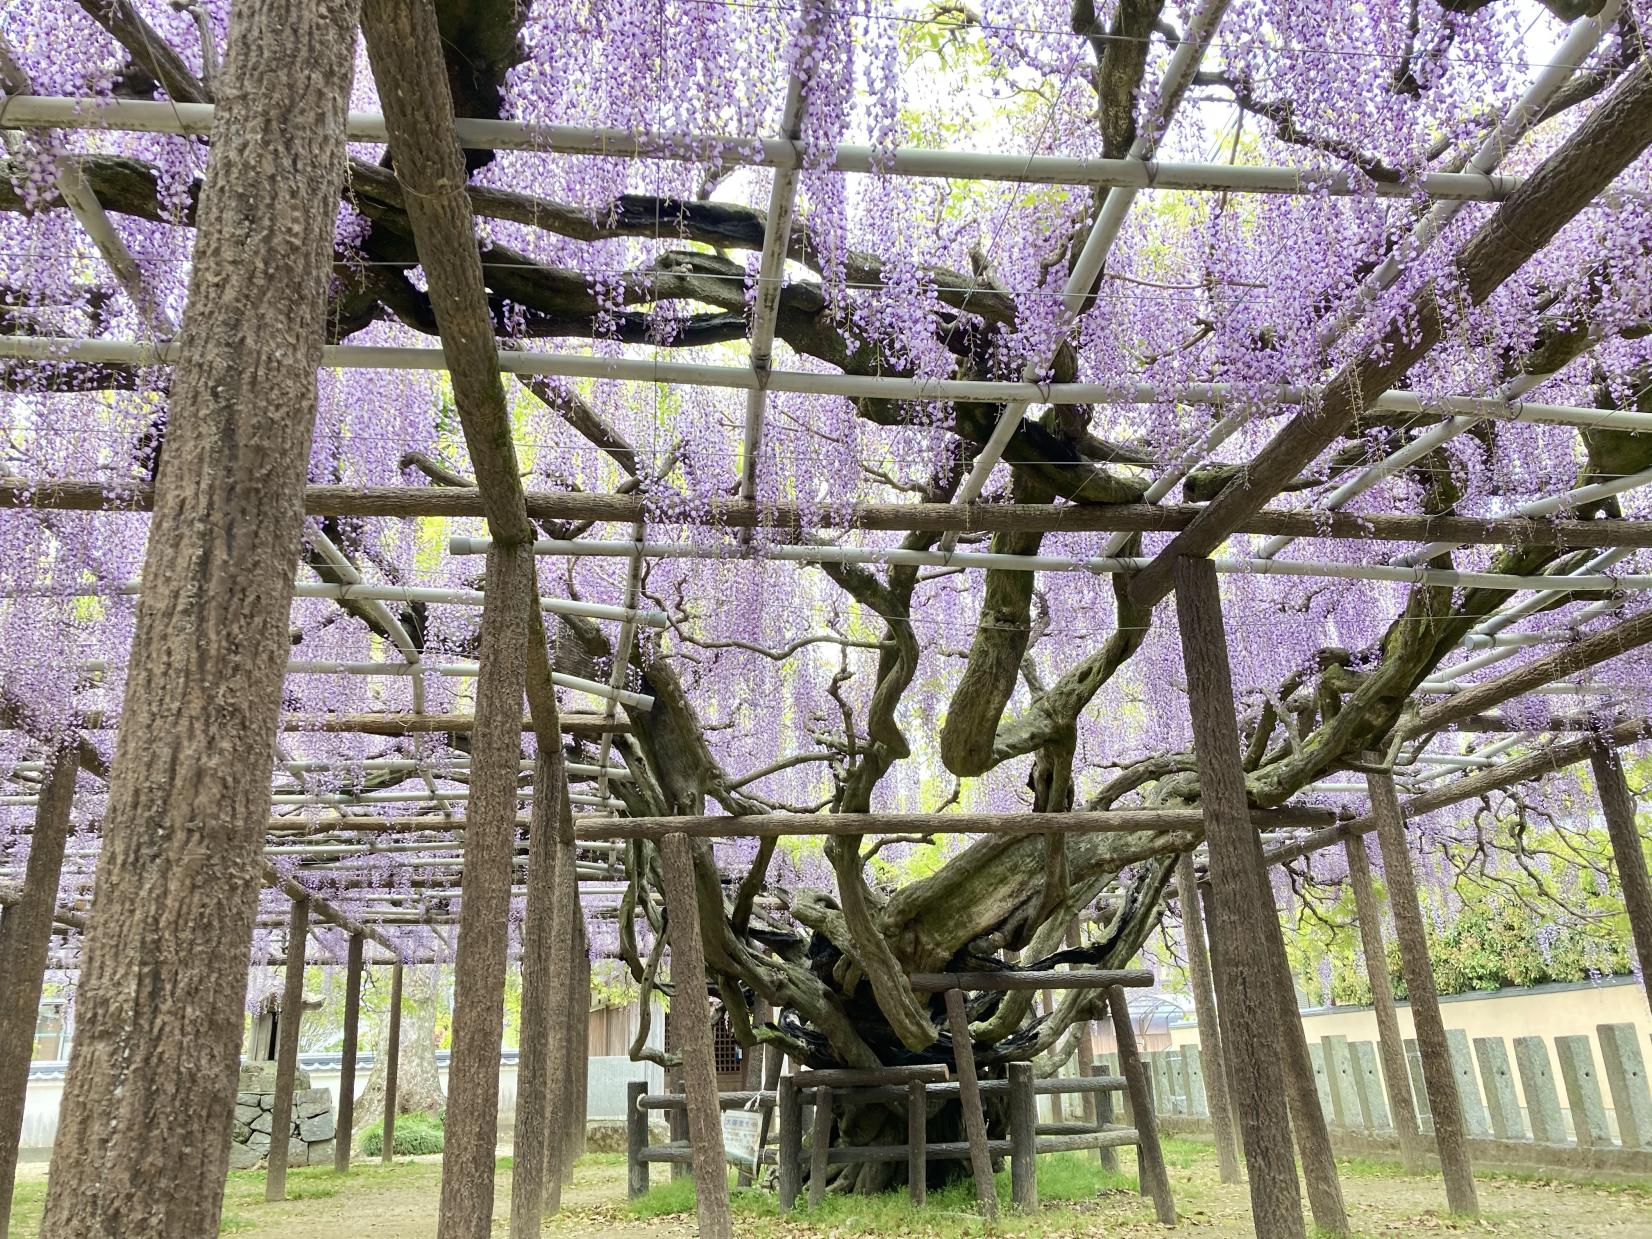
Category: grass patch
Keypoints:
(1077, 1176)
(1068, 1183)
(416, 1135)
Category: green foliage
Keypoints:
(416, 1134)
(1497, 943)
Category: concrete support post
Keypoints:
(1577, 1071)
(1368, 1088)
(1531, 1058)
(1339, 1066)
(1625, 1067)
(1468, 1085)
(1498, 1078)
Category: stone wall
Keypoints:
(310, 1142)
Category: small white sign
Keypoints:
(742, 1139)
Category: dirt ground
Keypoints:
(400, 1202)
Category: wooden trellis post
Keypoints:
(579, 1036)
(25, 941)
(1450, 1132)
(1244, 923)
(1313, 1136)
(1154, 1181)
(969, 1098)
(144, 1135)
(559, 1084)
(1210, 1035)
(347, 1069)
(534, 1064)
(1619, 807)
(392, 1061)
(917, 1141)
(286, 1052)
(693, 1012)
(1023, 1139)
(1396, 1079)
(472, 1124)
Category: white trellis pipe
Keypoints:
(389, 593)
(467, 670)
(1087, 267)
(1516, 640)
(368, 798)
(854, 386)
(195, 119)
(1486, 754)
(1453, 763)
(1184, 464)
(1100, 565)
(1410, 453)
(351, 576)
(1548, 506)
(1507, 646)
(94, 221)
(1585, 35)
(771, 267)
(1561, 688)
(622, 655)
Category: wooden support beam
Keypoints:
(1154, 1180)
(820, 1145)
(561, 1094)
(1244, 926)
(579, 1036)
(286, 1053)
(692, 1011)
(1402, 1108)
(592, 829)
(534, 1065)
(1608, 140)
(392, 1061)
(15, 716)
(1023, 1140)
(969, 1099)
(1032, 979)
(1618, 806)
(412, 501)
(25, 942)
(789, 1153)
(144, 1135)
(343, 1135)
(1546, 760)
(1450, 1131)
(1592, 650)
(917, 1140)
(472, 1124)
(1204, 1007)
(772, 825)
(1313, 1137)
(420, 724)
